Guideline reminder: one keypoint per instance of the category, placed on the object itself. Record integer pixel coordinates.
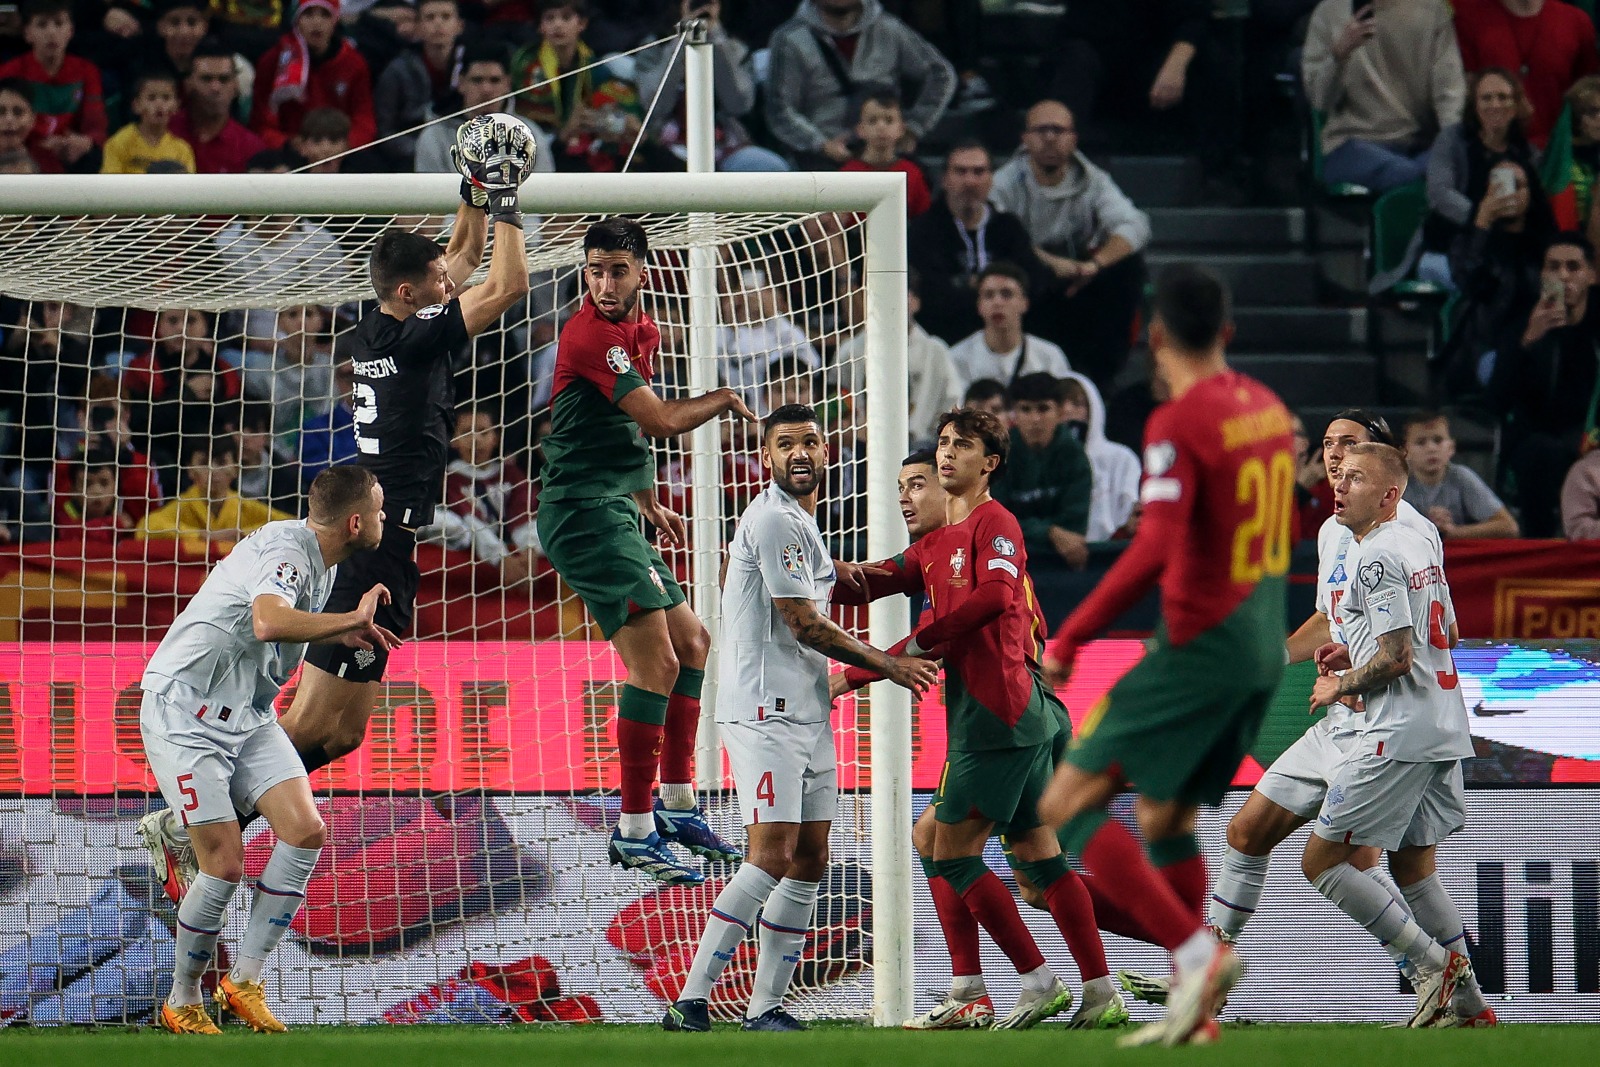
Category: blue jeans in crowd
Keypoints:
(1378, 167)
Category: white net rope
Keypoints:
(166, 384)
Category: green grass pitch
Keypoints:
(835, 1045)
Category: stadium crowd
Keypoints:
(1027, 259)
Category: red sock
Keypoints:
(1110, 915)
(960, 928)
(1115, 856)
(677, 744)
(1074, 914)
(1188, 880)
(639, 746)
(993, 906)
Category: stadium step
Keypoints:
(1299, 329)
(1157, 181)
(1299, 378)
(1284, 279)
(1186, 228)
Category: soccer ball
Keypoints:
(496, 146)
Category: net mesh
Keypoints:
(465, 877)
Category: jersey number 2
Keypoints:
(364, 402)
(1261, 543)
(1441, 640)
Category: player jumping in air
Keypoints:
(213, 741)
(776, 723)
(404, 403)
(1219, 485)
(1398, 787)
(599, 481)
(1002, 720)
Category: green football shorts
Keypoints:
(599, 550)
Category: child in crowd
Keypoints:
(90, 509)
(1452, 496)
(881, 127)
(489, 503)
(149, 140)
(67, 97)
(594, 115)
(16, 128)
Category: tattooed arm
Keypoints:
(1392, 661)
(815, 630)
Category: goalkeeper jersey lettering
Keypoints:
(594, 449)
(404, 402)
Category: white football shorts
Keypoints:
(1378, 801)
(1298, 779)
(208, 773)
(784, 771)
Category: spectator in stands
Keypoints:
(1388, 78)
(384, 32)
(210, 513)
(1047, 482)
(1548, 45)
(1003, 350)
(413, 88)
(323, 140)
(1113, 508)
(18, 163)
(1584, 100)
(265, 474)
(734, 93)
(757, 332)
(222, 144)
(1452, 496)
(1492, 130)
(952, 242)
(485, 80)
(16, 127)
(180, 387)
(1546, 380)
(986, 394)
(1313, 496)
(1496, 267)
(489, 502)
(70, 112)
(41, 365)
(931, 382)
(250, 27)
(881, 129)
(1085, 231)
(595, 116)
(330, 437)
(180, 27)
(1580, 499)
(1131, 58)
(789, 381)
(90, 510)
(315, 65)
(825, 55)
(109, 425)
(149, 139)
(294, 378)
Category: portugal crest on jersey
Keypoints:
(958, 563)
(617, 359)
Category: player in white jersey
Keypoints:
(212, 739)
(1398, 787)
(774, 714)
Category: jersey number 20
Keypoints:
(1261, 543)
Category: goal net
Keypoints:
(175, 370)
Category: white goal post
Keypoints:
(41, 215)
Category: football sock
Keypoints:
(1240, 884)
(1110, 915)
(640, 715)
(1370, 905)
(1178, 860)
(1039, 980)
(1098, 990)
(732, 916)
(960, 929)
(677, 746)
(1072, 911)
(993, 906)
(201, 917)
(1195, 952)
(1112, 854)
(1436, 913)
(784, 924)
(1378, 873)
(280, 891)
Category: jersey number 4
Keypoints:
(1261, 543)
(1441, 640)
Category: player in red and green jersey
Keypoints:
(1219, 484)
(599, 481)
(1001, 719)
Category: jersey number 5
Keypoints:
(1441, 640)
(364, 401)
(1261, 543)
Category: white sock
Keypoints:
(1380, 874)
(280, 891)
(1039, 980)
(1196, 952)
(200, 920)
(968, 987)
(731, 918)
(174, 826)
(1098, 990)
(637, 825)
(1436, 913)
(784, 924)
(1371, 906)
(679, 796)
(1238, 891)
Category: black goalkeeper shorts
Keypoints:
(392, 564)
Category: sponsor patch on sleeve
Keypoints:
(432, 311)
(287, 579)
(1159, 456)
(1160, 491)
(1004, 546)
(794, 560)
(1383, 602)
(998, 564)
(617, 359)
(1371, 574)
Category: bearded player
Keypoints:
(1002, 720)
(404, 401)
(776, 722)
(1398, 787)
(599, 482)
(1219, 484)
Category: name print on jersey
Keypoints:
(376, 368)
